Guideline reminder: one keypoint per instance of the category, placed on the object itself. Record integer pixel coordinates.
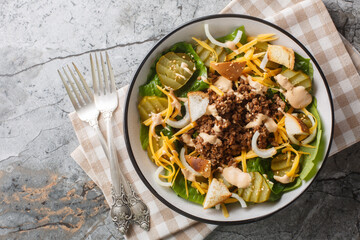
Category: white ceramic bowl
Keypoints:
(220, 25)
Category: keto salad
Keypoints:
(230, 119)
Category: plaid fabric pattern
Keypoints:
(307, 20)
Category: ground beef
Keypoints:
(236, 109)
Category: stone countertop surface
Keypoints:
(44, 194)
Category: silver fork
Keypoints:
(106, 101)
(87, 112)
(84, 106)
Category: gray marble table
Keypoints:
(44, 194)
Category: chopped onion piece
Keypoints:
(212, 39)
(185, 163)
(217, 206)
(264, 153)
(264, 62)
(157, 178)
(238, 37)
(313, 134)
(240, 199)
(293, 139)
(183, 122)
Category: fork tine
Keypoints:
(79, 86)
(93, 75)
(71, 96)
(82, 79)
(111, 73)
(104, 73)
(81, 103)
(101, 86)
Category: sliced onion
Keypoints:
(212, 39)
(240, 199)
(264, 153)
(313, 134)
(217, 206)
(157, 178)
(183, 122)
(293, 139)
(185, 163)
(237, 37)
(264, 62)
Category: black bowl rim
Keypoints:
(126, 133)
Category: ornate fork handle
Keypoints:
(140, 212)
(120, 211)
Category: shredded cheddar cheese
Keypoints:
(186, 128)
(206, 46)
(198, 187)
(174, 178)
(243, 160)
(216, 90)
(224, 210)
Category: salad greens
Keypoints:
(184, 188)
(180, 189)
(304, 65)
(194, 84)
(231, 36)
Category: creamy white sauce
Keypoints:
(175, 102)
(211, 110)
(244, 78)
(186, 68)
(179, 75)
(212, 139)
(260, 119)
(216, 129)
(188, 174)
(258, 87)
(224, 84)
(231, 45)
(236, 177)
(156, 119)
(297, 96)
(257, 121)
(183, 99)
(271, 125)
(284, 179)
(186, 138)
(239, 95)
(284, 82)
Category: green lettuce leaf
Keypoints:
(304, 65)
(150, 88)
(144, 136)
(180, 190)
(232, 36)
(309, 162)
(263, 166)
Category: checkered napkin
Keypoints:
(308, 21)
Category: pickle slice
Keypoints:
(151, 104)
(206, 56)
(280, 165)
(175, 69)
(258, 191)
(298, 78)
(261, 47)
(157, 144)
